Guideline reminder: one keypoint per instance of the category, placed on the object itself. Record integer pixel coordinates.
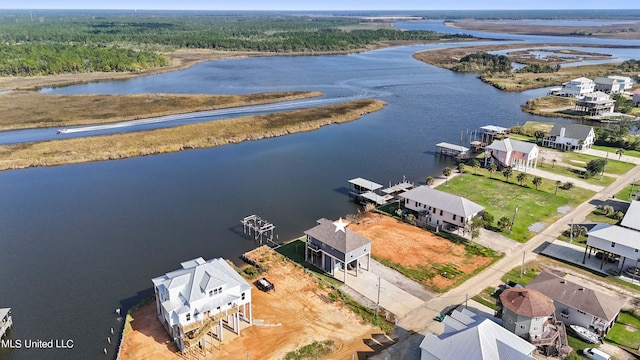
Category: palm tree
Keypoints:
(553, 162)
(620, 151)
(461, 168)
(522, 177)
(537, 181)
(446, 172)
(430, 180)
(507, 173)
(504, 223)
(492, 168)
(476, 165)
(558, 183)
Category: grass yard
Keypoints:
(501, 198)
(488, 297)
(530, 272)
(531, 126)
(613, 150)
(561, 168)
(628, 191)
(613, 166)
(626, 331)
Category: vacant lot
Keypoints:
(297, 305)
(434, 261)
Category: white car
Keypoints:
(595, 354)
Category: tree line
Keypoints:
(83, 42)
(484, 62)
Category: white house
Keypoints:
(608, 85)
(202, 296)
(332, 247)
(569, 137)
(519, 155)
(619, 240)
(474, 338)
(596, 103)
(578, 305)
(626, 83)
(440, 209)
(578, 87)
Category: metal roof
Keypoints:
(481, 341)
(495, 129)
(378, 199)
(632, 218)
(452, 147)
(510, 145)
(572, 131)
(617, 234)
(364, 183)
(453, 204)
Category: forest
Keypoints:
(484, 62)
(103, 41)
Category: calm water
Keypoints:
(79, 241)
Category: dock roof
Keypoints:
(366, 184)
(343, 241)
(494, 129)
(452, 147)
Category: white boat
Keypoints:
(63, 131)
(584, 334)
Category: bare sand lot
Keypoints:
(298, 304)
(415, 248)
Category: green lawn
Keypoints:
(501, 198)
(613, 165)
(626, 331)
(530, 272)
(488, 297)
(598, 218)
(613, 150)
(522, 137)
(629, 190)
(562, 169)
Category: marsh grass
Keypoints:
(200, 135)
(32, 110)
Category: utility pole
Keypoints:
(378, 302)
(522, 267)
(571, 233)
(515, 211)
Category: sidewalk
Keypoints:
(554, 176)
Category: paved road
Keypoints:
(422, 318)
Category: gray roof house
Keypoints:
(476, 339)
(440, 209)
(631, 219)
(578, 305)
(332, 247)
(569, 137)
(200, 296)
(608, 85)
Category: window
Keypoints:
(613, 244)
(440, 212)
(210, 293)
(636, 250)
(454, 216)
(188, 317)
(242, 296)
(522, 327)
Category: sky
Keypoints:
(319, 4)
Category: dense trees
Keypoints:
(630, 65)
(483, 62)
(79, 41)
(539, 68)
(618, 136)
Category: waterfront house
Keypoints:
(530, 314)
(517, 154)
(5, 321)
(203, 296)
(578, 87)
(475, 338)
(636, 97)
(608, 85)
(596, 103)
(569, 137)
(578, 305)
(332, 247)
(626, 83)
(439, 209)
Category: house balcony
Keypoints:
(314, 248)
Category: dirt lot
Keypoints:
(415, 248)
(296, 304)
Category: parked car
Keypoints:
(595, 354)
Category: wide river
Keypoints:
(78, 241)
